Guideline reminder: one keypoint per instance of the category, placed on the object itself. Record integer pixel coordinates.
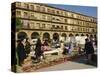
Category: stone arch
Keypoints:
(76, 34)
(35, 35)
(46, 36)
(71, 35)
(87, 35)
(63, 35)
(22, 35)
(82, 34)
(91, 36)
(56, 36)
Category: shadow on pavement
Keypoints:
(82, 59)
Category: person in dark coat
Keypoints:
(21, 52)
(38, 51)
(27, 46)
(89, 49)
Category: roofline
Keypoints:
(46, 4)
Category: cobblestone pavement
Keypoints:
(79, 63)
(54, 62)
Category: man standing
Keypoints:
(89, 50)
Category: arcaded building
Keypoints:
(47, 22)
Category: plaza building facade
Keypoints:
(47, 22)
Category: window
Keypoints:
(37, 25)
(92, 25)
(28, 25)
(32, 7)
(82, 17)
(57, 12)
(53, 26)
(49, 18)
(57, 27)
(38, 8)
(69, 14)
(18, 13)
(43, 17)
(66, 14)
(53, 11)
(25, 23)
(57, 19)
(65, 20)
(78, 29)
(75, 28)
(72, 28)
(72, 15)
(48, 26)
(61, 12)
(53, 18)
(42, 26)
(31, 24)
(18, 4)
(75, 21)
(80, 22)
(84, 24)
(93, 30)
(25, 14)
(65, 27)
(43, 9)
(26, 5)
(32, 15)
(48, 10)
(86, 30)
(83, 29)
(78, 16)
(61, 27)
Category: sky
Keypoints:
(86, 10)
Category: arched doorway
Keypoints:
(71, 35)
(87, 35)
(34, 35)
(22, 35)
(82, 34)
(46, 36)
(56, 36)
(55, 41)
(72, 38)
(64, 36)
(91, 36)
(76, 34)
